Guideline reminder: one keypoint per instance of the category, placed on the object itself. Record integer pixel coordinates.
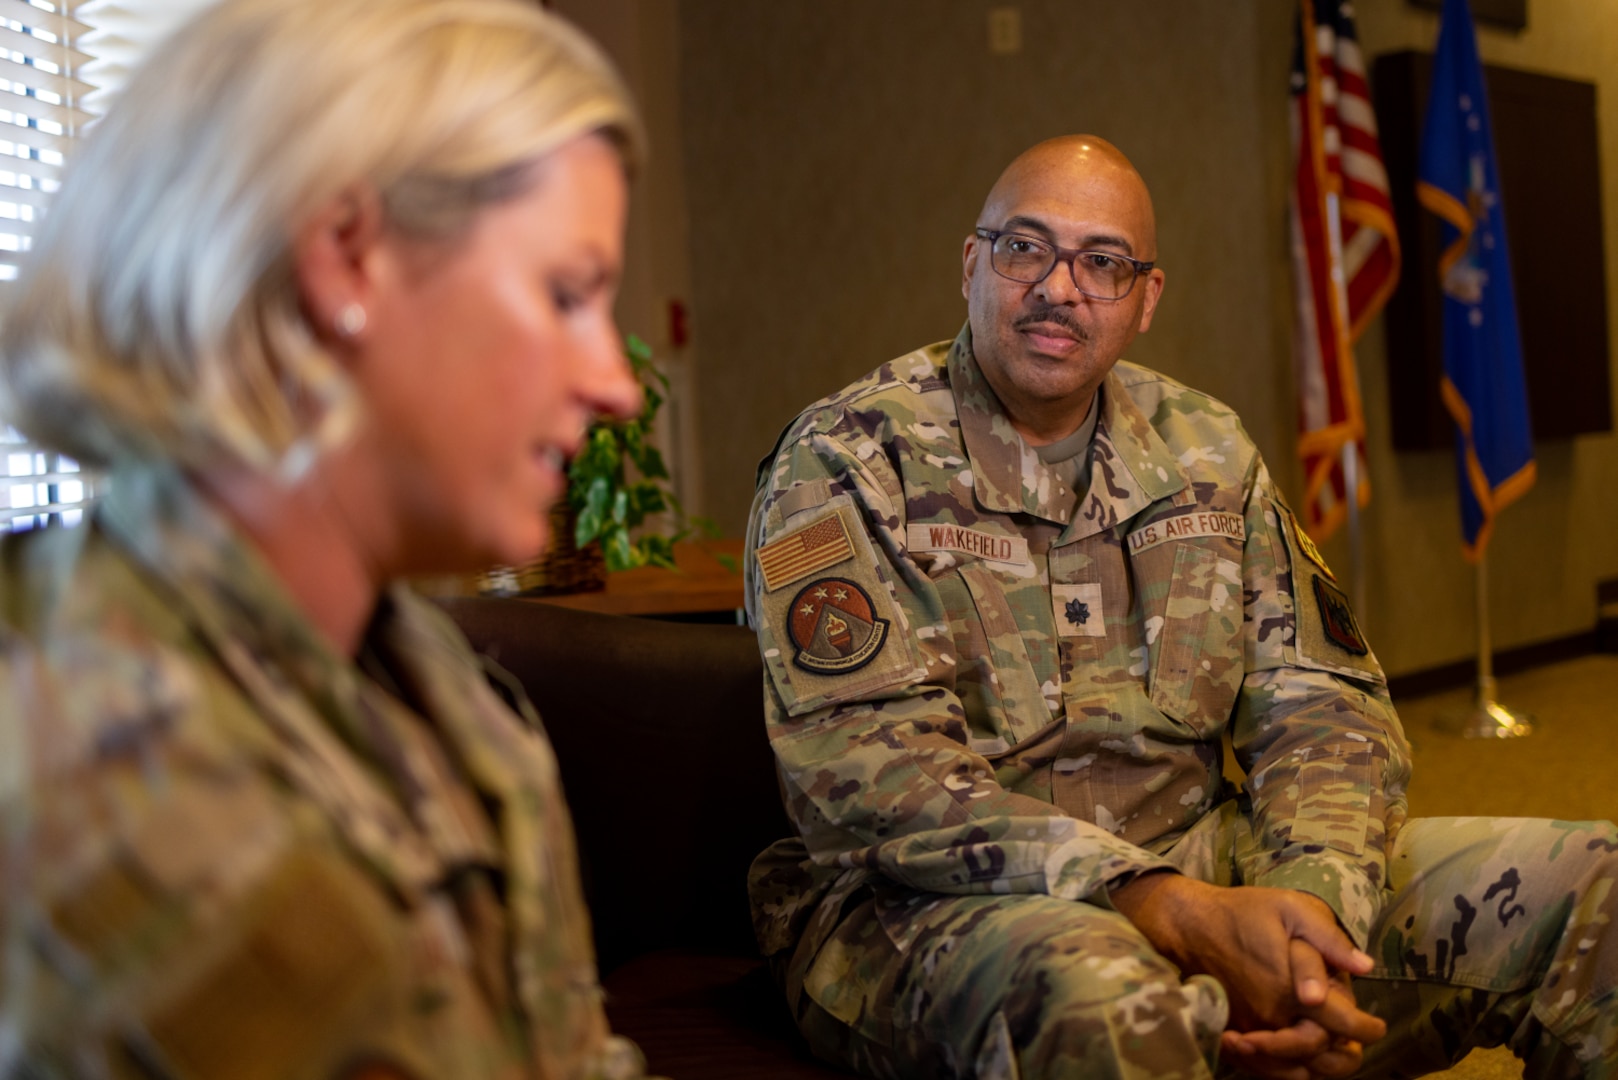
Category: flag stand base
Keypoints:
(1488, 719)
(1492, 720)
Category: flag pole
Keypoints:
(1458, 182)
(1489, 719)
(1351, 455)
(1356, 551)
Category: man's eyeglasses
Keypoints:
(1100, 275)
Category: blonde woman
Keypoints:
(329, 293)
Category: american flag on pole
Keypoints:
(1345, 251)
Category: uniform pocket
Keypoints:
(995, 666)
(1195, 642)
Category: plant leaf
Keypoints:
(620, 553)
(650, 463)
(586, 528)
(659, 551)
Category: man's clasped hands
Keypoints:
(1285, 963)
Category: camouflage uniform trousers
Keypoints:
(1493, 931)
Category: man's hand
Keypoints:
(1282, 959)
(1304, 1050)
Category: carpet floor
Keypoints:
(1565, 769)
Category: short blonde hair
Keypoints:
(159, 313)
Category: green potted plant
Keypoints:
(617, 480)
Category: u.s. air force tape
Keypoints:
(1185, 526)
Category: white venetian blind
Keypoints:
(61, 64)
(41, 110)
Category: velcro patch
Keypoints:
(1326, 634)
(799, 553)
(1312, 553)
(834, 626)
(987, 546)
(1337, 618)
(806, 496)
(1078, 610)
(1186, 526)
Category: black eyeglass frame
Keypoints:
(1059, 256)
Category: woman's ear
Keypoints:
(333, 259)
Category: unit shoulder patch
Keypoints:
(830, 626)
(1327, 635)
(1337, 618)
(834, 627)
(1312, 553)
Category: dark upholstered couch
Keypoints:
(659, 731)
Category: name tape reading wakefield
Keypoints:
(1006, 549)
(1185, 526)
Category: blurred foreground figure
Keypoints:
(1012, 592)
(329, 292)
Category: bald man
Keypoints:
(1011, 593)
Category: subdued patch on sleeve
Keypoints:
(1331, 810)
(836, 635)
(1328, 637)
(820, 543)
(1337, 618)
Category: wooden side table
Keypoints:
(701, 584)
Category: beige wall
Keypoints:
(1552, 547)
(837, 154)
(834, 154)
(642, 36)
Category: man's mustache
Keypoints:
(1051, 313)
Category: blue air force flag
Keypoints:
(1483, 375)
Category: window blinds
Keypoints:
(40, 113)
(61, 63)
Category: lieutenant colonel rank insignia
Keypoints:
(834, 626)
(1078, 610)
(1337, 618)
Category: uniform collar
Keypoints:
(312, 697)
(220, 581)
(406, 809)
(1130, 465)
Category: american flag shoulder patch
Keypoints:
(801, 552)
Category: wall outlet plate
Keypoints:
(1005, 31)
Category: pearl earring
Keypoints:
(350, 320)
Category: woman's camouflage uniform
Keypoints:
(996, 689)
(229, 851)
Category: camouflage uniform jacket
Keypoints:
(981, 680)
(227, 850)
